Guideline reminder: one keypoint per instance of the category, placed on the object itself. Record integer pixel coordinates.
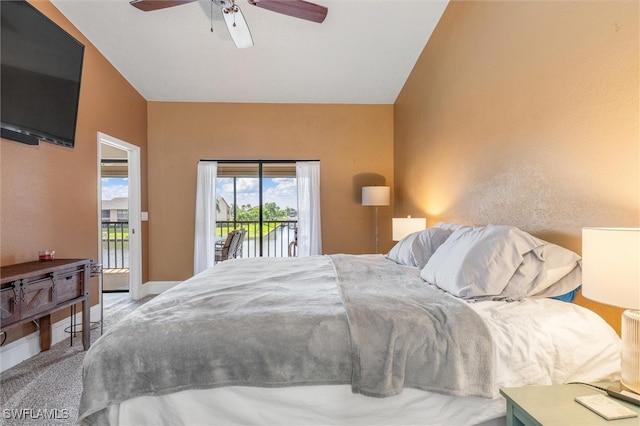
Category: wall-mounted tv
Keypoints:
(40, 77)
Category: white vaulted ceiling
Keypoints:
(361, 54)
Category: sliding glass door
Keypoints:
(261, 197)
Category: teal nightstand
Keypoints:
(555, 405)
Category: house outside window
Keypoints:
(115, 210)
(122, 215)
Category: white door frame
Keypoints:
(135, 241)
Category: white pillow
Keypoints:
(559, 272)
(562, 274)
(501, 262)
(450, 226)
(415, 249)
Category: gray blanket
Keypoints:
(406, 333)
(285, 322)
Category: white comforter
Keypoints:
(537, 342)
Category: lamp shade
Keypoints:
(611, 275)
(376, 195)
(611, 266)
(403, 226)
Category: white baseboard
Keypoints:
(22, 349)
(15, 352)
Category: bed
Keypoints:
(426, 334)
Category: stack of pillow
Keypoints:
(491, 262)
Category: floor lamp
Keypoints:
(611, 275)
(376, 196)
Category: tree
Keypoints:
(271, 211)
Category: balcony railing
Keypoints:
(277, 237)
(115, 245)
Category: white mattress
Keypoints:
(537, 342)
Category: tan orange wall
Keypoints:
(353, 143)
(524, 113)
(49, 194)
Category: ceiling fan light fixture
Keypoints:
(237, 26)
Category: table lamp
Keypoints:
(403, 226)
(376, 196)
(611, 275)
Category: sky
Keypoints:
(282, 191)
(115, 188)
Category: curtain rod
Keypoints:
(254, 161)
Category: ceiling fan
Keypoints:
(233, 15)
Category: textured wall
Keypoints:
(354, 144)
(49, 194)
(524, 113)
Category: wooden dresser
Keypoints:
(33, 290)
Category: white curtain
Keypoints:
(204, 241)
(309, 236)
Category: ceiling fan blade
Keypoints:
(149, 5)
(296, 8)
(237, 26)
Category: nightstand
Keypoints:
(555, 405)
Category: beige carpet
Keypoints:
(46, 388)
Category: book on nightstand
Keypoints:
(606, 407)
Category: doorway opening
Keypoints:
(120, 246)
(114, 183)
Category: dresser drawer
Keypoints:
(68, 287)
(36, 297)
(9, 305)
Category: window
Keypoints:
(261, 197)
(123, 215)
(304, 234)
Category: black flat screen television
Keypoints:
(40, 77)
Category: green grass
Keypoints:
(115, 235)
(252, 229)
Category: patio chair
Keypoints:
(235, 250)
(223, 247)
